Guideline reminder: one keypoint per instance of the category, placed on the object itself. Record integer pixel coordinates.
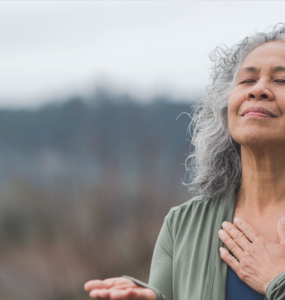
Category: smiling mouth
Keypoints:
(255, 114)
(258, 112)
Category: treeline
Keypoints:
(85, 186)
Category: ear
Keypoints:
(281, 231)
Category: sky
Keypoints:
(50, 50)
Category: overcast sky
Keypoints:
(57, 48)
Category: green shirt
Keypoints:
(186, 263)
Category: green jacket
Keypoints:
(186, 263)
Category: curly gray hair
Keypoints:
(216, 161)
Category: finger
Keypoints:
(228, 241)
(128, 293)
(107, 283)
(134, 294)
(99, 293)
(237, 235)
(247, 229)
(94, 284)
(229, 259)
(123, 294)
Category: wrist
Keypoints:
(274, 286)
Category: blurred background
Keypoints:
(92, 150)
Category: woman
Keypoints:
(239, 157)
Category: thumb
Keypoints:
(281, 231)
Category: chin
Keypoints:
(258, 137)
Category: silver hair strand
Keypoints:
(215, 164)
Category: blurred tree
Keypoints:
(84, 188)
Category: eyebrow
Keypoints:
(249, 69)
(278, 69)
(255, 70)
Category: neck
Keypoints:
(263, 180)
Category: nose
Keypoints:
(260, 91)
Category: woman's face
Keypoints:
(256, 104)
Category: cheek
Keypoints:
(233, 114)
(233, 126)
(232, 110)
(281, 105)
(234, 101)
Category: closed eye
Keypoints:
(248, 81)
(280, 81)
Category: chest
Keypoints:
(265, 225)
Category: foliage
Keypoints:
(84, 190)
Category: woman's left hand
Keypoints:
(260, 261)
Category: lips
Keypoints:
(255, 111)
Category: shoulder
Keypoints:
(189, 215)
(191, 206)
(198, 214)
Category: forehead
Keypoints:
(270, 54)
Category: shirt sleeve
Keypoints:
(276, 288)
(160, 280)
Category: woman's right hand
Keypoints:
(118, 288)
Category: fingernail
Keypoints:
(283, 220)
(236, 219)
